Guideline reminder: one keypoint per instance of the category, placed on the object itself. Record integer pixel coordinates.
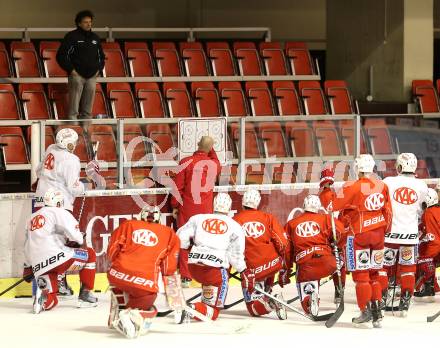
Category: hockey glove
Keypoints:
(28, 275)
(92, 169)
(248, 280)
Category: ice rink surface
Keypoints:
(67, 326)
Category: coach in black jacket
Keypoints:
(81, 55)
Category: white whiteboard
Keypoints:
(191, 130)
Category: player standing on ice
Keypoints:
(367, 207)
(60, 170)
(429, 247)
(138, 251)
(215, 242)
(265, 253)
(407, 194)
(327, 195)
(310, 234)
(52, 248)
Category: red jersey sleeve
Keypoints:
(213, 155)
(179, 182)
(279, 236)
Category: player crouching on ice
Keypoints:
(264, 253)
(215, 241)
(311, 236)
(52, 248)
(429, 248)
(138, 251)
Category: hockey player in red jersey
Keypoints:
(429, 247)
(138, 251)
(52, 247)
(215, 242)
(367, 207)
(265, 250)
(327, 195)
(311, 236)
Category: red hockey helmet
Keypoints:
(327, 176)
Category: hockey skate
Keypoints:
(363, 318)
(426, 292)
(64, 290)
(86, 299)
(186, 282)
(279, 309)
(376, 314)
(405, 301)
(183, 316)
(39, 300)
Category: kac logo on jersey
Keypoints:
(215, 226)
(405, 195)
(37, 222)
(254, 229)
(375, 201)
(307, 229)
(49, 162)
(145, 237)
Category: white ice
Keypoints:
(67, 326)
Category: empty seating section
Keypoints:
(34, 100)
(167, 59)
(222, 61)
(194, 58)
(206, 99)
(107, 142)
(339, 97)
(286, 97)
(59, 98)
(121, 100)
(150, 99)
(25, 59)
(135, 147)
(48, 54)
(139, 59)
(313, 97)
(299, 58)
(248, 58)
(9, 107)
(273, 58)
(233, 99)
(114, 60)
(426, 96)
(5, 63)
(13, 145)
(178, 99)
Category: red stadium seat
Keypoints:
(134, 145)
(260, 98)
(301, 139)
(287, 98)
(422, 171)
(178, 99)
(299, 58)
(81, 149)
(272, 136)
(150, 99)
(167, 59)
(139, 59)
(138, 178)
(234, 101)
(273, 58)
(5, 63)
(48, 54)
(248, 58)
(313, 97)
(327, 138)
(15, 151)
(251, 140)
(35, 103)
(100, 104)
(339, 97)
(221, 58)
(379, 136)
(206, 99)
(59, 97)
(426, 95)
(111, 178)
(25, 59)
(194, 58)
(162, 138)
(107, 142)
(114, 60)
(348, 138)
(9, 109)
(121, 99)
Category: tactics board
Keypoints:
(191, 130)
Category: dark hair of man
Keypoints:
(83, 14)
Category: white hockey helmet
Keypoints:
(222, 203)
(406, 163)
(67, 138)
(150, 213)
(54, 198)
(312, 203)
(251, 199)
(431, 198)
(364, 164)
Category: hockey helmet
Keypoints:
(54, 198)
(406, 163)
(67, 139)
(431, 198)
(364, 164)
(251, 199)
(222, 203)
(312, 203)
(150, 213)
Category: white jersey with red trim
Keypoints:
(60, 170)
(47, 232)
(407, 193)
(217, 240)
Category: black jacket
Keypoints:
(81, 50)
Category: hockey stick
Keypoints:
(431, 318)
(320, 284)
(393, 308)
(335, 317)
(18, 282)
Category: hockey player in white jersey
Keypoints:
(52, 247)
(215, 242)
(400, 256)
